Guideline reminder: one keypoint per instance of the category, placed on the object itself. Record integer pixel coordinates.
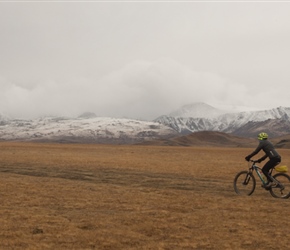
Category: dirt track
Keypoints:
(121, 197)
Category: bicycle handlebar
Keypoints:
(254, 161)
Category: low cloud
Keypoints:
(140, 90)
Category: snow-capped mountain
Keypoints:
(87, 130)
(197, 110)
(232, 122)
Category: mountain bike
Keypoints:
(245, 182)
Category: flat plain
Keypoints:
(73, 196)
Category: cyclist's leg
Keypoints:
(270, 164)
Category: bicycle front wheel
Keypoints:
(244, 183)
(282, 190)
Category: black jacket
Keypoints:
(268, 148)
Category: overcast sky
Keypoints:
(141, 59)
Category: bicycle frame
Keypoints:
(258, 170)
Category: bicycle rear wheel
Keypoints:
(244, 183)
(282, 190)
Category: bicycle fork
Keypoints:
(247, 179)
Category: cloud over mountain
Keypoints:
(142, 90)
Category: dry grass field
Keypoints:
(58, 196)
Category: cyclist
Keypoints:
(274, 157)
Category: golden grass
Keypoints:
(56, 196)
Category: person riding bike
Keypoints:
(268, 148)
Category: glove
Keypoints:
(247, 158)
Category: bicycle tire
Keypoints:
(244, 183)
(277, 192)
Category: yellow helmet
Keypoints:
(263, 136)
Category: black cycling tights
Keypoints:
(270, 164)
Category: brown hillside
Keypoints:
(274, 127)
(282, 141)
(219, 139)
(208, 139)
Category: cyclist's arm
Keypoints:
(263, 158)
(256, 151)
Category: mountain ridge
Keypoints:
(89, 128)
(274, 121)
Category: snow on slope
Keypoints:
(88, 128)
(240, 119)
(223, 123)
(99, 129)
